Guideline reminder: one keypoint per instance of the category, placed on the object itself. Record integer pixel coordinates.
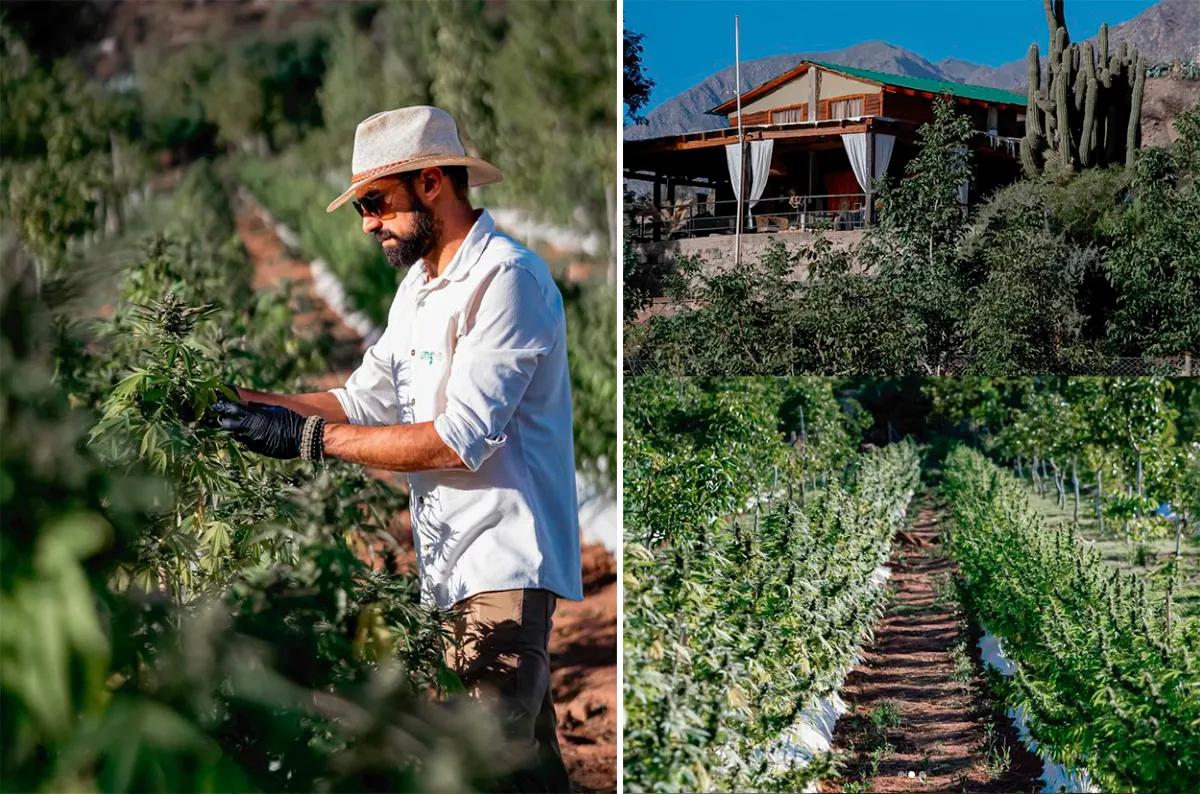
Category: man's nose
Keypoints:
(371, 224)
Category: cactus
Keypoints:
(1087, 137)
(1034, 120)
(1062, 82)
(1088, 111)
(1133, 136)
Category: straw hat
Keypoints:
(409, 139)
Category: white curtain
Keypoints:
(856, 150)
(884, 144)
(760, 168)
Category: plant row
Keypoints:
(1125, 445)
(1108, 677)
(745, 599)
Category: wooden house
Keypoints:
(829, 127)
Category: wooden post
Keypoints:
(813, 92)
(812, 176)
(656, 219)
(671, 200)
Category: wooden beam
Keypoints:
(718, 138)
(649, 176)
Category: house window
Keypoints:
(846, 108)
(789, 115)
(993, 121)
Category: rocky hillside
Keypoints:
(1166, 99)
(1167, 30)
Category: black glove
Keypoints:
(266, 429)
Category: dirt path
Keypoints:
(920, 719)
(583, 645)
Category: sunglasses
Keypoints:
(377, 204)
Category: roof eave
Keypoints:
(725, 108)
(762, 88)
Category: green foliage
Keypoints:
(298, 197)
(637, 85)
(742, 315)
(372, 68)
(68, 166)
(735, 622)
(922, 211)
(1105, 682)
(215, 94)
(60, 510)
(592, 357)
(307, 672)
(179, 616)
(1154, 263)
(1025, 317)
(914, 247)
(462, 51)
(552, 82)
(1121, 432)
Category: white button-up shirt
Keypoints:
(481, 351)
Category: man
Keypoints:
(468, 392)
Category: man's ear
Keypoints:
(431, 182)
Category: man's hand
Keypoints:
(266, 429)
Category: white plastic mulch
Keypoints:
(532, 232)
(811, 734)
(1055, 776)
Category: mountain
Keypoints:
(1167, 30)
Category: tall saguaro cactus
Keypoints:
(1089, 111)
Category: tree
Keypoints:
(637, 84)
(1155, 262)
(914, 248)
(552, 88)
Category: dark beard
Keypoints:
(415, 245)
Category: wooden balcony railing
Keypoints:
(686, 219)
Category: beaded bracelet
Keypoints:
(312, 439)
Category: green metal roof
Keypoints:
(981, 92)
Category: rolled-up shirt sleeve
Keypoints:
(514, 327)
(369, 396)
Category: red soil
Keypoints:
(583, 644)
(942, 736)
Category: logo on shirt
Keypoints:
(430, 356)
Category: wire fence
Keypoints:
(1184, 365)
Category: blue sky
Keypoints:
(687, 40)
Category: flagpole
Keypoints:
(741, 188)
